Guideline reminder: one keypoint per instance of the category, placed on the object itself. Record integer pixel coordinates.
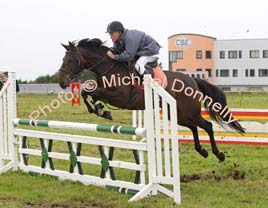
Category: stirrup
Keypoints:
(146, 71)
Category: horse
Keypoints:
(90, 54)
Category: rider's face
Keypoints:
(115, 36)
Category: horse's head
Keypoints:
(86, 54)
(71, 65)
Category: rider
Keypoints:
(131, 43)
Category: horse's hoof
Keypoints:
(107, 115)
(220, 156)
(90, 111)
(204, 153)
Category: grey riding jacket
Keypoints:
(134, 43)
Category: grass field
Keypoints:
(240, 181)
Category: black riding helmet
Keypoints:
(115, 26)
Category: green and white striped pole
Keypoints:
(82, 126)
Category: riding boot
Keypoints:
(142, 76)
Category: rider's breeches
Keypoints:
(141, 62)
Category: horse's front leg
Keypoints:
(95, 106)
(90, 106)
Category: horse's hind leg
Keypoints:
(197, 145)
(207, 126)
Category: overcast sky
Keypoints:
(31, 30)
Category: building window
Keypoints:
(240, 54)
(174, 55)
(180, 70)
(252, 73)
(265, 53)
(224, 73)
(204, 76)
(179, 54)
(222, 54)
(208, 54)
(198, 69)
(246, 72)
(263, 72)
(198, 54)
(217, 72)
(232, 54)
(235, 73)
(209, 72)
(254, 53)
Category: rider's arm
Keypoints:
(131, 47)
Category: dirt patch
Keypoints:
(87, 204)
(188, 178)
(73, 204)
(7, 198)
(234, 173)
(238, 175)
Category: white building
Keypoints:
(233, 65)
(241, 65)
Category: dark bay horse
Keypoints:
(91, 55)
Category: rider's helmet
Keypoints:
(115, 26)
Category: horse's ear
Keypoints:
(66, 47)
(72, 46)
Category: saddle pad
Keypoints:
(160, 77)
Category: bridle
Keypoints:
(71, 75)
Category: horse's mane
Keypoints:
(95, 43)
(91, 43)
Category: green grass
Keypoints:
(240, 181)
(248, 100)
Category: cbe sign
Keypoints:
(183, 42)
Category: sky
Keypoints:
(31, 30)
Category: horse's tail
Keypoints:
(212, 95)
